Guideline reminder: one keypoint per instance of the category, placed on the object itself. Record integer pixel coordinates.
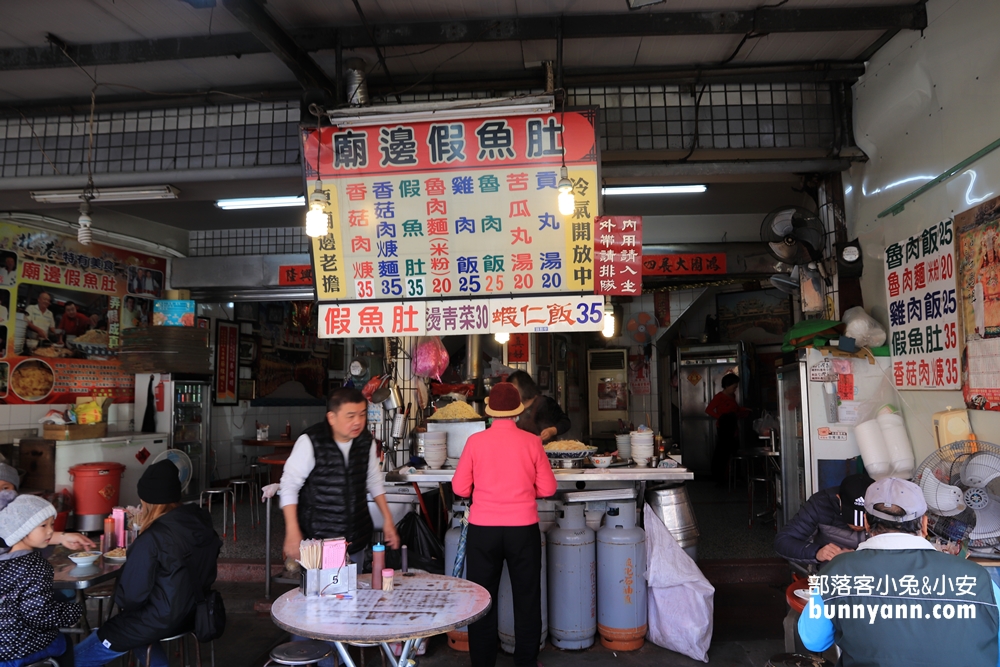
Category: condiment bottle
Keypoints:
(109, 534)
(288, 430)
(378, 564)
(387, 574)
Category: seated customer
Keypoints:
(170, 566)
(831, 522)
(11, 481)
(30, 617)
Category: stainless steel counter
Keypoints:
(562, 475)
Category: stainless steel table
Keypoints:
(424, 475)
(419, 606)
(70, 576)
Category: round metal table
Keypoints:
(419, 606)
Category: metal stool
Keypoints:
(299, 653)
(181, 637)
(101, 593)
(224, 491)
(48, 662)
(255, 471)
(251, 487)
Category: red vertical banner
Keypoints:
(618, 255)
(227, 337)
(519, 348)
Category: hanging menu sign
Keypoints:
(464, 208)
(555, 313)
(685, 264)
(923, 309)
(618, 255)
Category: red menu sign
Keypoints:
(685, 264)
(618, 255)
(227, 359)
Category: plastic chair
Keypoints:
(223, 491)
(299, 653)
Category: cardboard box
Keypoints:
(74, 431)
(173, 313)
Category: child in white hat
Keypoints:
(30, 617)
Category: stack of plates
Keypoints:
(642, 447)
(623, 440)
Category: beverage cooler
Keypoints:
(182, 408)
(700, 369)
(817, 430)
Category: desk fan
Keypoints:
(183, 463)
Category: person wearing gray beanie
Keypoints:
(9, 479)
(32, 616)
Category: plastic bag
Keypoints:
(430, 358)
(765, 424)
(865, 331)
(681, 601)
(425, 550)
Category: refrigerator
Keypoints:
(818, 447)
(182, 409)
(700, 369)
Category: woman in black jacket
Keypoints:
(170, 567)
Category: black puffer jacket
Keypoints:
(819, 522)
(170, 567)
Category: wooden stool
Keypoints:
(224, 491)
(299, 653)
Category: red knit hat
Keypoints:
(504, 401)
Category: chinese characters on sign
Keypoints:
(556, 313)
(227, 341)
(297, 274)
(468, 208)
(923, 310)
(685, 264)
(519, 348)
(618, 255)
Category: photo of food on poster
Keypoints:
(63, 307)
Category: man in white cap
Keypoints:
(898, 601)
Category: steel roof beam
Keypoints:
(291, 45)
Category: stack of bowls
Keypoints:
(642, 447)
(623, 440)
(435, 449)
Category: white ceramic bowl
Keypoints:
(601, 461)
(82, 558)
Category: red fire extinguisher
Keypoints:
(158, 394)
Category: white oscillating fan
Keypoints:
(183, 463)
(961, 484)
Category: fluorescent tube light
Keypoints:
(260, 202)
(141, 193)
(653, 189)
(435, 111)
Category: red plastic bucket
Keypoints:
(96, 486)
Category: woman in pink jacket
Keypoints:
(505, 469)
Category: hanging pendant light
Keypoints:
(566, 201)
(84, 235)
(501, 337)
(317, 219)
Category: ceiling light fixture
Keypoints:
(609, 321)
(84, 235)
(434, 111)
(501, 337)
(260, 202)
(565, 200)
(653, 189)
(105, 195)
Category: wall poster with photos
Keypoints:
(63, 306)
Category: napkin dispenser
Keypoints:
(330, 581)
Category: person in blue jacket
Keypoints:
(831, 522)
(897, 601)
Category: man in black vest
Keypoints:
(331, 467)
(898, 601)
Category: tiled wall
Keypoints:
(20, 421)
(232, 423)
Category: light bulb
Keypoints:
(317, 220)
(84, 235)
(566, 201)
(501, 337)
(609, 321)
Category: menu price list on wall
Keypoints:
(921, 289)
(423, 210)
(556, 313)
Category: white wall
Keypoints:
(927, 102)
(232, 423)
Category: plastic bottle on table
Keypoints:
(378, 564)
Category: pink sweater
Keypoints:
(509, 470)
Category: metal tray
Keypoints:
(571, 453)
